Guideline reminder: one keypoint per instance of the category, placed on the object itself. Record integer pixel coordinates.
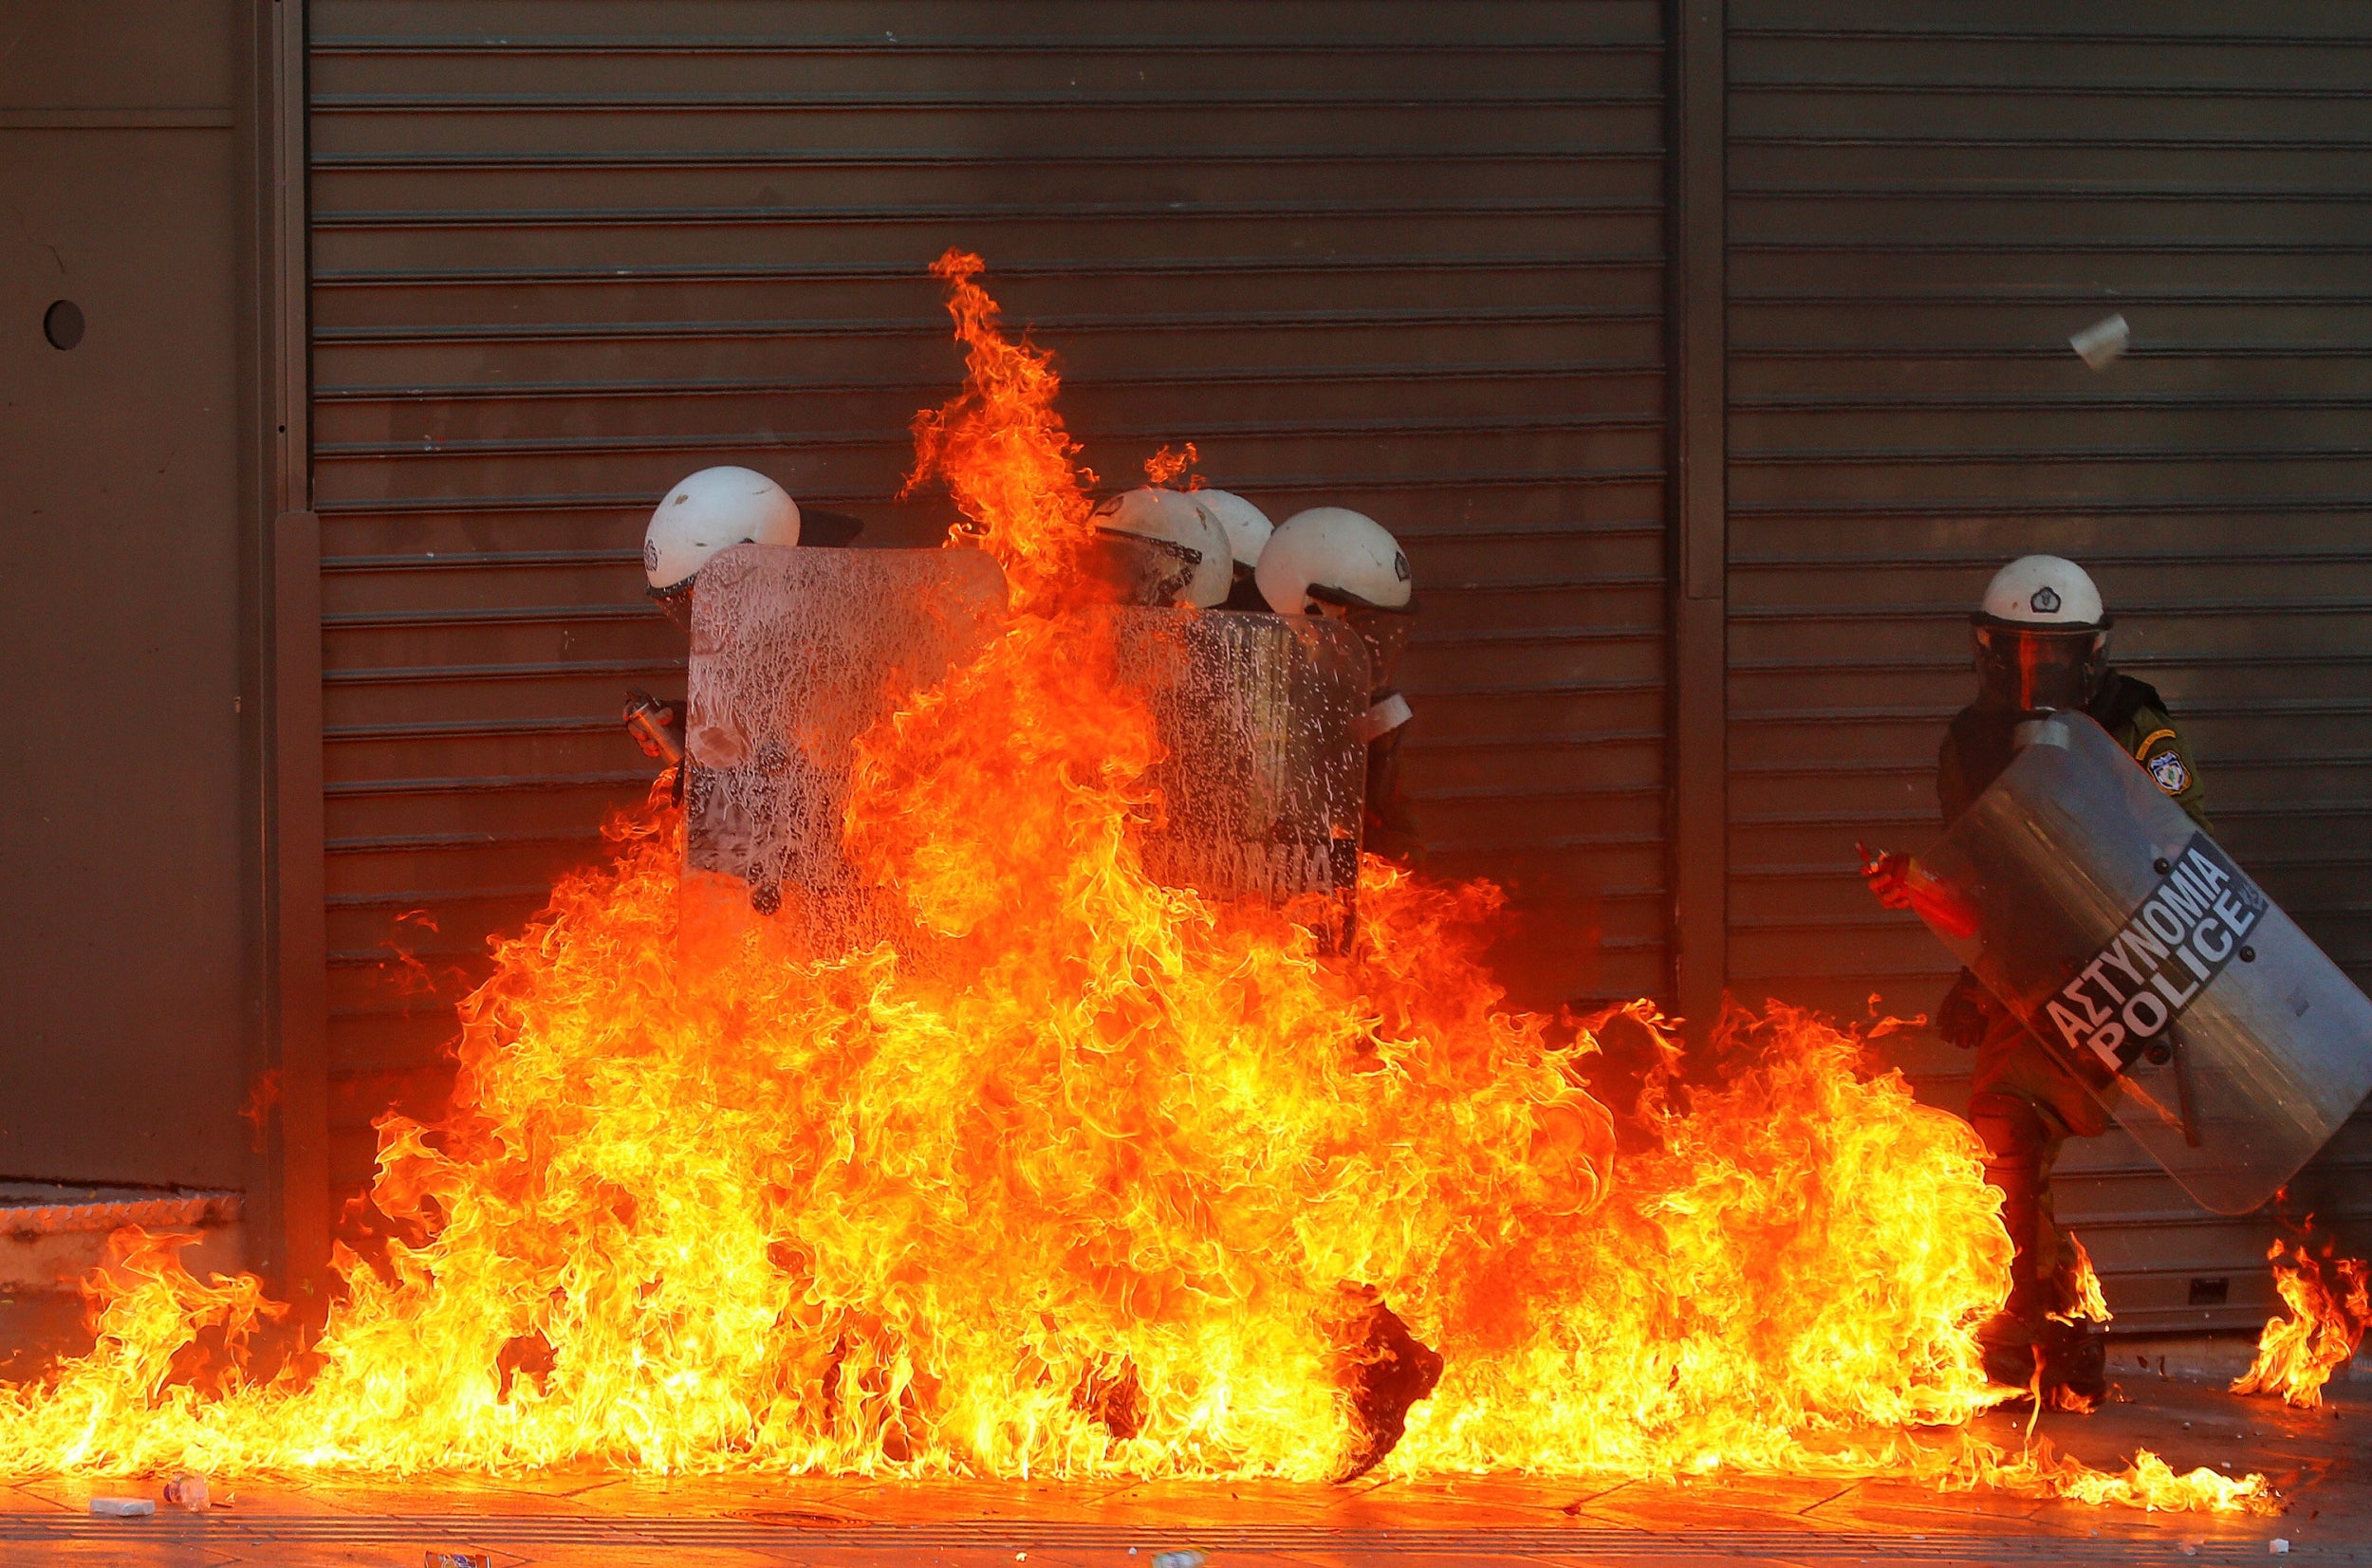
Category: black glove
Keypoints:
(1967, 1012)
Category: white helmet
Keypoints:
(2043, 591)
(2042, 636)
(1193, 565)
(1331, 555)
(710, 511)
(1246, 527)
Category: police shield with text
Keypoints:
(2118, 963)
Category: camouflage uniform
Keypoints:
(2022, 1101)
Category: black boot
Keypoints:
(2013, 1137)
(2008, 1360)
(2075, 1358)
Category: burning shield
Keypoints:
(795, 653)
(2201, 1016)
(1266, 777)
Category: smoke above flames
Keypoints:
(1106, 1192)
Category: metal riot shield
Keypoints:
(795, 653)
(2128, 941)
(1266, 776)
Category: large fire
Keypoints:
(1115, 1192)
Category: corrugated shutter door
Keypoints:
(1925, 203)
(1402, 256)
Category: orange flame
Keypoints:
(1002, 449)
(267, 1090)
(2087, 1303)
(1102, 1192)
(2328, 1310)
(1164, 467)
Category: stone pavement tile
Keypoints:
(2319, 1459)
(624, 1554)
(928, 1502)
(419, 1495)
(72, 1494)
(1711, 1558)
(815, 1498)
(132, 1552)
(1919, 1509)
(20, 1498)
(1182, 1504)
(1402, 1504)
(1529, 1556)
(1450, 1502)
(1318, 1550)
(1727, 1502)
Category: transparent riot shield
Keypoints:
(1266, 776)
(2214, 1030)
(795, 653)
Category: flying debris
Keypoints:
(2103, 342)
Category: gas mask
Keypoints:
(2029, 669)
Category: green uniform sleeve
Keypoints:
(2154, 742)
(1952, 787)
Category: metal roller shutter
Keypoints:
(1924, 204)
(1403, 256)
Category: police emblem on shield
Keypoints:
(2167, 768)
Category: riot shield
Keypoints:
(795, 653)
(1266, 776)
(2214, 1030)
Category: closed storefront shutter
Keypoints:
(1924, 204)
(1403, 257)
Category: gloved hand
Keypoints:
(1967, 1012)
(656, 726)
(1889, 878)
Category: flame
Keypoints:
(2088, 1303)
(2148, 1483)
(1122, 1182)
(268, 1088)
(1164, 467)
(2328, 1310)
(1003, 450)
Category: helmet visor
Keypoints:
(676, 601)
(1136, 570)
(2032, 668)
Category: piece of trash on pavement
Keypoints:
(2103, 342)
(459, 1559)
(189, 1491)
(2277, 1545)
(121, 1508)
(1177, 1559)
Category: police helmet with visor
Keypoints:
(2041, 635)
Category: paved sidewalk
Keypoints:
(2321, 1460)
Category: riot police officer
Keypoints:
(702, 514)
(2041, 639)
(1330, 560)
